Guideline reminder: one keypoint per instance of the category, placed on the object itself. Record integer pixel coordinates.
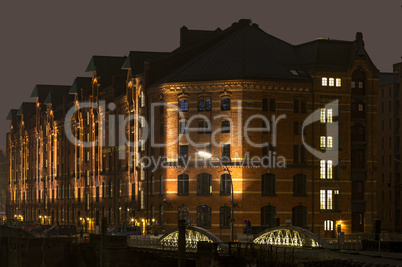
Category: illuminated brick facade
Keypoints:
(235, 73)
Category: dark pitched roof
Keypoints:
(386, 77)
(332, 55)
(244, 51)
(135, 60)
(79, 83)
(42, 91)
(12, 114)
(189, 38)
(106, 67)
(27, 110)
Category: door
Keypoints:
(357, 222)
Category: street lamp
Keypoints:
(210, 156)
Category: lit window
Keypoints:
(322, 199)
(322, 142)
(360, 84)
(142, 199)
(324, 81)
(329, 115)
(322, 169)
(142, 121)
(338, 82)
(329, 169)
(329, 199)
(326, 169)
(142, 145)
(142, 99)
(353, 84)
(331, 82)
(329, 141)
(326, 200)
(142, 171)
(328, 225)
(322, 115)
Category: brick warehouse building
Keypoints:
(389, 146)
(233, 73)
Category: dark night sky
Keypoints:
(51, 42)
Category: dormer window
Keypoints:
(324, 81)
(294, 72)
(331, 82)
(338, 82)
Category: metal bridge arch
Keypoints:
(291, 236)
(194, 234)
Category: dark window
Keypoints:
(182, 182)
(224, 217)
(268, 214)
(225, 184)
(183, 127)
(295, 153)
(204, 127)
(265, 150)
(182, 213)
(272, 105)
(296, 106)
(265, 104)
(268, 184)
(302, 154)
(201, 105)
(225, 104)
(204, 216)
(183, 153)
(296, 128)
(184, 105)
(204, 184)
(162, 129)
(225, 126)
(208, 104)
(299, 216)
(226, 152)
(299, 185)
(303, 108)
(265, 128)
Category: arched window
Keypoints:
(184, 105)
(204, 216)
(225, 185)
(299, 185)
(225, 126)
(324, 81)
(268, 184)
(224, 217)
(182, 182)
(225, 104)
(299, 216)
(268, 215)
(204, 184)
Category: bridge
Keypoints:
(284, 236)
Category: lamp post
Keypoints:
(210, 156)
